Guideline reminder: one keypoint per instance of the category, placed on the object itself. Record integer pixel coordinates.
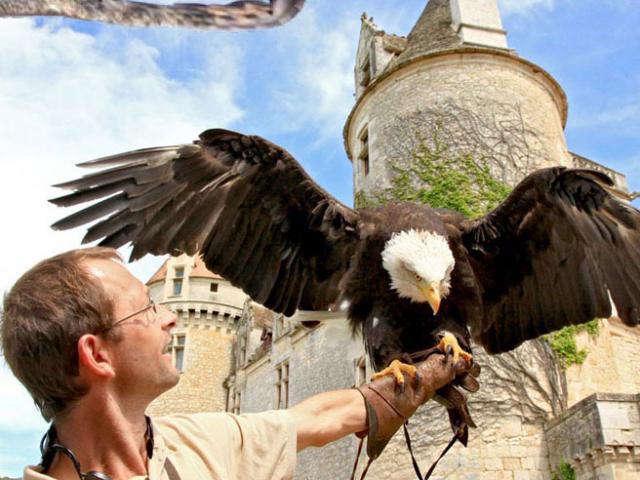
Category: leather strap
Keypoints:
(416, 468)
(407, 438)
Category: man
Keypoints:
(83, 336)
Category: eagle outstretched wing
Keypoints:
(241, 14)
(554, 253)
(246, 204)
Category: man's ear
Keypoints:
(94, 356)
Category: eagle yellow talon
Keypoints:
(449, 345)
(396, 368)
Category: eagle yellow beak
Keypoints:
(432, 294)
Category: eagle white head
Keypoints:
(420, 265)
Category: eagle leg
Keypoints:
(450, 346)
(397, 368)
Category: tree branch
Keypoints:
(240, 15)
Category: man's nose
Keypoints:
(167, 317)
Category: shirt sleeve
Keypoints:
(255, 445)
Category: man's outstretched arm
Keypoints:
(330, 416)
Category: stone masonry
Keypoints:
(207, 309)
(599, 436)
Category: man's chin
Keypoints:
(174, 378)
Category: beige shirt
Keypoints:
(219, 446)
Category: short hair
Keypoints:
(44, 315)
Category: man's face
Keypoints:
(141, 359)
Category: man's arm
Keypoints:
(329, 416)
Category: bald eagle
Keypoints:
(560, 250)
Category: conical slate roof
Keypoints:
(432, 32)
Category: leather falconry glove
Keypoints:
(389, 406)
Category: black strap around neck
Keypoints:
(49, 447)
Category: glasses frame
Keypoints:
(150, 305)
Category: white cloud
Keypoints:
(68, 96)
(625, 116)
(522, 7)
(319, 75)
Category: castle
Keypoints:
(454, 87)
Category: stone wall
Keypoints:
(321, 359)
(599, 437)
(206, 364)
(507, 449)
(496, 107)
(611, 365)
(207, 317)
(519, 392)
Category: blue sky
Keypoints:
(72, 91)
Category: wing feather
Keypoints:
(244, 203)
(553, 254)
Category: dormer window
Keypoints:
(178, 275)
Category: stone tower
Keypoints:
(208, 309)
(454, 85)
(455, 77)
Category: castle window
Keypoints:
(178, 342)
(243, 351)
(213, 287)
(280, 326)
(282, 385)
(363, 152)
(360, 371)
(177, 286)
(236, 403)
(229, 395)
(179, 272)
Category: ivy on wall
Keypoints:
(434, 177)
(563, 343)
(564, 472)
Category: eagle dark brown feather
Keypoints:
(243, 202)
(550, 255)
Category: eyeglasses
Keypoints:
(150, 306)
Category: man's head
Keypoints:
(56, 329)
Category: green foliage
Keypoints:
(361, 200)
(442, 180)
(564, 472)
(563, 342)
